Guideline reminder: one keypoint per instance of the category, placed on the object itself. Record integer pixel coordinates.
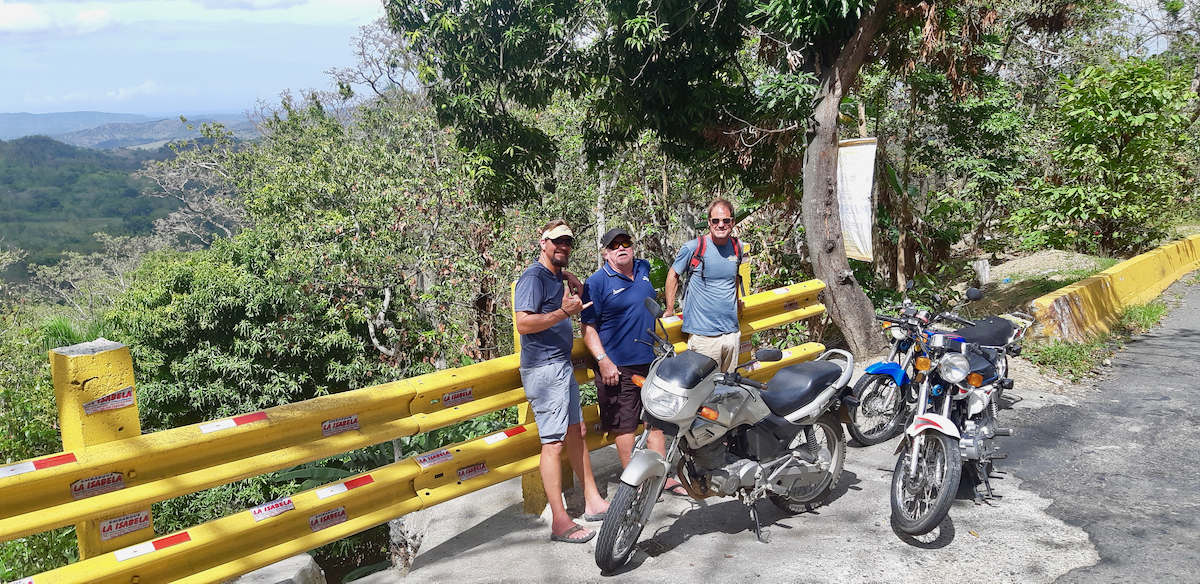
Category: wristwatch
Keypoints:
(601, 357)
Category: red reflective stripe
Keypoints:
(246, 419)
(54, 461)
(171, 540)
(514, 431)
(358, 482)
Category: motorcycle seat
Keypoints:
(797, 385)
(992, 331)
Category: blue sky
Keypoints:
(170, 57)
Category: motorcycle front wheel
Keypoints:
(829, 446)
(880, 409)
(921, 501)
(623, 522)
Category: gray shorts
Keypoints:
(554, 395)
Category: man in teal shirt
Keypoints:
(710, 310)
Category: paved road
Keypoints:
(1098, 487)
(1124, 464)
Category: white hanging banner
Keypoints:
(856, 180)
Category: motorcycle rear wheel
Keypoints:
(623, 522)
(878, 415)
(921, 502)
(831, 451)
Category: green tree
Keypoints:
(757, 86)
(1122, 153)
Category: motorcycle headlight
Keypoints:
(660, 402)
(954, 367)
(898, 333)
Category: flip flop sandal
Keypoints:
(566, 536)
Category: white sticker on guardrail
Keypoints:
(781, 291)
(268, 510)
(494, 438)
(745, 347)
(124, 525)
(457, 397)
(671, 319)
(105, 483)
(579, 364)
(32, 465)
(431, 458)
(791, 305)
(339, 425)
(116, 400)
(327, 519)
(25, 581)
(142, 549)
(340, 488)
(475, 470)
(232, 422)
(753, 366)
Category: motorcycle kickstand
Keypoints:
(983, 482)
(763, 535)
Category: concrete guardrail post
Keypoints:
(97, 403)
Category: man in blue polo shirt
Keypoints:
(612, 326)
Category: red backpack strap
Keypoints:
(698, 255)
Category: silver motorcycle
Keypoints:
(731, 436)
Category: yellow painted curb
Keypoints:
(1092, 305)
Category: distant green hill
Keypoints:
(54, 196)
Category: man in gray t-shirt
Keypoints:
(543, 306)
(710, 311)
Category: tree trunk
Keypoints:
(845, 300)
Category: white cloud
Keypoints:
(23, 18)
(92, 20)
(250, 4)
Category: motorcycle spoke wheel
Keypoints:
(920, 502)
(831, 455)
(623, 523)
(880, 409)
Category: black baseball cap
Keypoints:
(612, 234)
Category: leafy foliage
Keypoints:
(221, 332)
(1123, 156)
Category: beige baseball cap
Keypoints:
(557, 232)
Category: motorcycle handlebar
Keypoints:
(735, 378)
(891, 319)
(955, 318)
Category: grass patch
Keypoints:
(1076, 361)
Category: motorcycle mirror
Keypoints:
(768, 354)
(909, 285)
(974, 294)
(654, 308)
(937, 298)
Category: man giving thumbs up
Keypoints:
(544, 307)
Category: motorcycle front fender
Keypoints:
(889, 368)
(644, 464)
(928, 423)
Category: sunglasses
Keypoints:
(625, 244)
(720, 220)
(563, 241)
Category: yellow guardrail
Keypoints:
(1092, 305)
(105, 486)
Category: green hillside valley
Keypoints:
(54, 197)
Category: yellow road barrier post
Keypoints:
(97, 403)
